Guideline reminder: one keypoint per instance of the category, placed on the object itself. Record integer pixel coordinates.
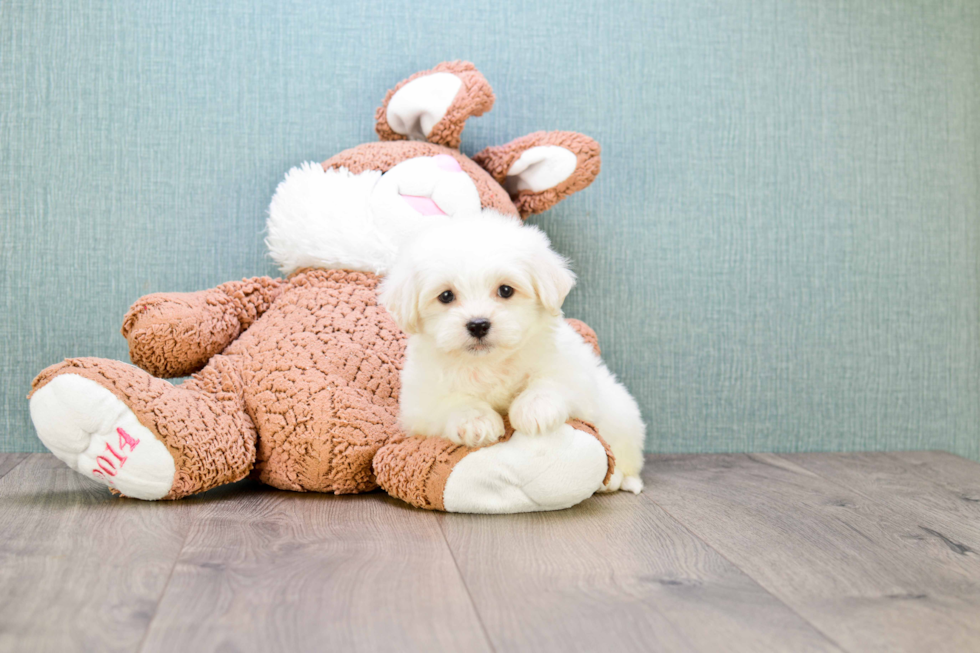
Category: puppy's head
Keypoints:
(477, 284)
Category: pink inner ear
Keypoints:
(446, 162)
(424, 205)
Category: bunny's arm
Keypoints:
(176, 334)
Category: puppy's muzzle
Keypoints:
(478, 327)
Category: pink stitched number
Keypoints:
(121, 459)
(102, 462)
(104, 477)
(126, 440)
(106, 467)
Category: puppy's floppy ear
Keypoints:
(399, 294)
(433, 105)
(541, 169)
(550, 275)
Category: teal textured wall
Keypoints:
(781, 253)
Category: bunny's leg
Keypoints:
(520, 473)
(141, 436)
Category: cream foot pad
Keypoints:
(96, 434)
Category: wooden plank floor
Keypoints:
(758, 552)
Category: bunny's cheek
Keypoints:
(426, 186)
(456, 194)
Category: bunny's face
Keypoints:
(359, 207)
(428, 185)
(413, 172)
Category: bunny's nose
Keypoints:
(478, 327)
(447, 163)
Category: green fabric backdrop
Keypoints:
(781, 253)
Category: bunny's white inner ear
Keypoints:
(417, 106)
(540, 168)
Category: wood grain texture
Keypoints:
(265, 570)
(951, 515)
(10, 460)
(615, 573)
(864, 574)
(825, 552)
(958, 475)
(79, 568)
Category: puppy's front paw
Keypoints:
(475, 427)
(535, 412)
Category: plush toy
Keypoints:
(295, 380)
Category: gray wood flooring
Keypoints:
(760, 552)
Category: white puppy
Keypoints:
(480, 298)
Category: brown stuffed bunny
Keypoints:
(296, 380)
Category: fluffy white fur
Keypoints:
(336, 219)
(321, 219)
(530, 365)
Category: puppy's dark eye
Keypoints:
(505, 291)
(447, 296)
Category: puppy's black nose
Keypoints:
(478, 327)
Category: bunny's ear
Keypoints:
(433, 105)
(541, 169)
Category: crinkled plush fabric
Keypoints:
(416, 470)
(322, 369)
(176, 334)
